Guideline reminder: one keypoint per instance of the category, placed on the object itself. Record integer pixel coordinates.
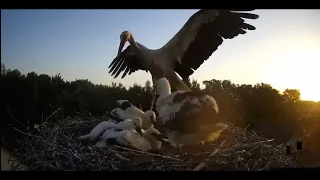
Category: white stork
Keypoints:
(127, 110)
(150, 139)
(128, 124)
(189, 118)
(194, 43)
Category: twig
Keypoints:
(152, 154)
(245, 129)
(13, 161)
(254, 144)
(243, 121)
(66, 137)
(269, 140)
(121, 157)
(19, 164)
(203, 164)
(34, 151)
(52, 114)
(14, 117)
(253, 149)
(25, 133)
(264, 168)
(83, 114)
(118, 155)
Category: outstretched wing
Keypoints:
(202, 34)
(127, 62)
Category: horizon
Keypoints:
(283, 51)
(201, 83)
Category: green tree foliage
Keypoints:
(30, 99)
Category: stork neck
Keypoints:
(162, 93)
(133, 42)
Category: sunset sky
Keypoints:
(283, 51)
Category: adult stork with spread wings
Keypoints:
(194, 43)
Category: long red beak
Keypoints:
(122, 43)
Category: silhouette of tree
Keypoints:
(292, 95)
(195, 86)
(29, 99)
(3, 69)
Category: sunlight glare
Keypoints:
(297, 68)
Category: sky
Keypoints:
(283, 51)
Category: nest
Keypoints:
(56, 147)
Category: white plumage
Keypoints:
(127, 110)
(189, 117)
(127, 124)
(149, 140)
(185, 52)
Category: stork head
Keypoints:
(124, 37)
(119, 102)
(210, 102)
(137, 122)
(123, 104)
(134, 123)
(151, 117)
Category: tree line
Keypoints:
(30, 98)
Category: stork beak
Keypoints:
(138, 129)
(122, 42)
(153, 121)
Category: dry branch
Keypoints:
(200, 166)
(56, 147)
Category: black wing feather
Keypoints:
(127, 62)
(118, 66)
(125, 72)
(122, 68)
(227, 25)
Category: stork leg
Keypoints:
(177, 83)
(152, 102)
(153, 97)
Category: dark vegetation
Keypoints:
(32, 98)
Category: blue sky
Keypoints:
(283, 51)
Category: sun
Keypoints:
(297, 69)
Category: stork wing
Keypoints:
(127, 61)
(202, 34)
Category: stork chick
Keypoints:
(189, 118)
(128, 124)
(148, 141)
(148, 117)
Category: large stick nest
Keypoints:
(56, 147)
